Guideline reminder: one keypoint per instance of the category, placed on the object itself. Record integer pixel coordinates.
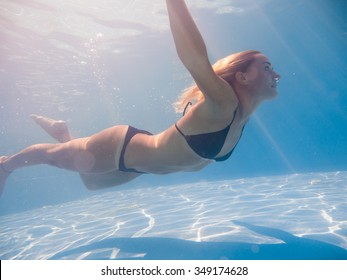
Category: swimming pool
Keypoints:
(113, 62)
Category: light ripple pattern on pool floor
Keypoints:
(305, 205)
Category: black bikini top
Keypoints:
(208, 145)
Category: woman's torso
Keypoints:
(213, 132)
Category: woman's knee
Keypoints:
(42, 152)
(72, 155)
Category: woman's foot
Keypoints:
(57, 129)
(3, 174)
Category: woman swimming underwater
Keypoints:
(223, 97)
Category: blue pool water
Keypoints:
(113, 62)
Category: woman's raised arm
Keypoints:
(191, 49)
(190, 45)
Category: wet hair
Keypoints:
(226, 68)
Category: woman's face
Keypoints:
(262, 78)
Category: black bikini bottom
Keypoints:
(132, 131)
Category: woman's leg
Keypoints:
(72, 155)
(59, 130)
(89, 156)
(95, 154)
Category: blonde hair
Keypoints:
(226, 68)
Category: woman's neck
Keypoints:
(248, 104)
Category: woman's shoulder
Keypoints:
(206, 113)
(223, 106)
